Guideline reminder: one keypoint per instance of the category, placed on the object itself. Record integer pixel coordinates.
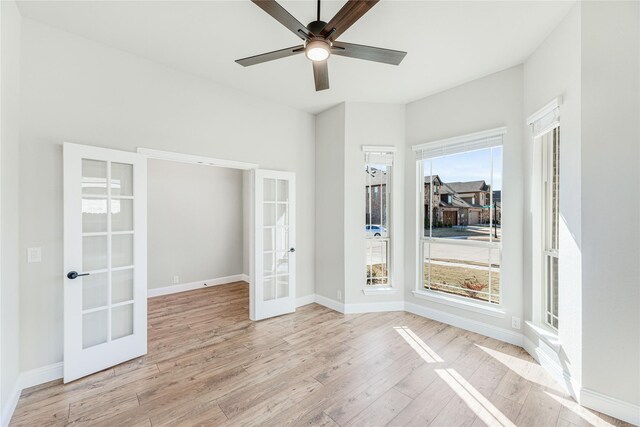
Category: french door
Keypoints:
(105, 258)
(272, 292)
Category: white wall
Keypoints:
(487, 103)
(9, 218)
(80, 91)
(195, 228)
(329, 224)
(610, 202)
(371, 124)
(554, 70)
(340, 212)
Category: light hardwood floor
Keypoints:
(208, 364)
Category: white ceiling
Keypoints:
(448, 43)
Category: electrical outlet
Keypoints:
(176, 280)
(515, 322)
(34, 255)
(339, 295)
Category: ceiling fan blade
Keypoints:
(281, 15)
(265, 57)
(321, 75)
(350, 13)
(369, 53)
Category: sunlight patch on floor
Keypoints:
(529, 370)
(580, 411)
(479, 404)
(427, 354)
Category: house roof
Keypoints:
(436, 179)
(467, 186)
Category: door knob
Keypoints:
(292, 250)
(73, 274)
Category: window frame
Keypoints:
(550, 243)
(472, 142)
(374, 289)
(542, 123)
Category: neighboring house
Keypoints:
(460, 203)
(376, 196)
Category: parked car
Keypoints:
(375, 230)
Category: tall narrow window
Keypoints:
(378, 169)
(460, 200)
(551, 215)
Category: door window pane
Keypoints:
(94, 253)
(269, 292)
(94, 215)
(121, 179)
(121, 321)
(121, 214)
(282, 263)
(121, 286)
(283, 190)
(269, 264)
(269, 215)
(282, 290)
(267, 242)
(95, 290)
(269, 190)
(94, 177)
(94, 328)
(122, 250)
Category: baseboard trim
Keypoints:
(305, 300)
(464, 323)
(183, 287)
(29, 379)
(547, 357)
(374, 307)
(617, 408)
(41, 375)
(329, 303)
(7, 413)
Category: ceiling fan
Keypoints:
(320, 39)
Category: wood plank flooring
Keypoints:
(208, 364)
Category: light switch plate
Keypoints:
(34, 255)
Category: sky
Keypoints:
(468, 166)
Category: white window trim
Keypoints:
(537, 323)
(460, 144)
(465, 303)
(388, 289)
(379, 290)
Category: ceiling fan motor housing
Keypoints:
(316, 27)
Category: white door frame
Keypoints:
(253, 169)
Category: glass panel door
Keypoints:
(275, 249)
(105, 258)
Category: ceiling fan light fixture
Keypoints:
(317, 50)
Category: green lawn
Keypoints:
(464, 281)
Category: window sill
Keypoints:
(387, 290)
(460, 303)
(545, 334)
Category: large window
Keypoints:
(460, 201)
(550, 217)
(377, 171)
